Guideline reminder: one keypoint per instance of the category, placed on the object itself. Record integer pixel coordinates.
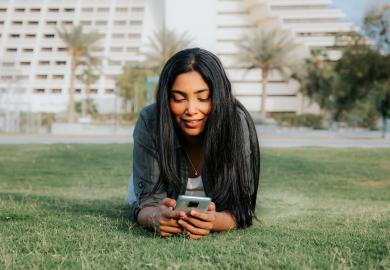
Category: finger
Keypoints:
(169, 229)
(165, 234)
(171, 214)
(199, 223)
(193, 236)
(208, 217)
(168, 202)
(212, 207)
(192, 229)
(169, 222)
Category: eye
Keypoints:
(177, 99)
(203, 99)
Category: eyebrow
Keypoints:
(183, 93)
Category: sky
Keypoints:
(354, 9)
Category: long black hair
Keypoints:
(231, 184)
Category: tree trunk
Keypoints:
(71, 90)
(85, 109)
(264, 80)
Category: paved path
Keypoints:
(277, 140)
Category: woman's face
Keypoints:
(190, 103)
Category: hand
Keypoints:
(165, 219)
(198, 224)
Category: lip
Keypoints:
(192, 123)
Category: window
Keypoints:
(58, 76)
(25, 63)
(87, 9)
(67, 22)
(39, 90)
(93, 91)
(121, 9)
(12, 49)
(35, 10)
(137, 9)
(46, 49)
(101, 23)
(6, 77)
(49, 35)
(17, 22)
(132, 49)
(136, 23)
(1, 22)
(8, 64)
(69, 9)
(116, 49)
(28, 49)
(32, 22)
(116, 35)
(41, 76)
(102, 10)
(62, 49)
(119, 22)
(44, 63)
(85, 22)
(60, 63)
(109, 91)
(53, 10)
(77, 91)
(3, 10)
(51, 23)
(19, 10)
(21, 77)
(56, 90)
(30, 35)
(14, 35)
(134, 36)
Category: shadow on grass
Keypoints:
(116, 212)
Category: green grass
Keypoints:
(62, 206)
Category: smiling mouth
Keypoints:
(192, 123)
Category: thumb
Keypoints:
(168, 202)
(212, 207)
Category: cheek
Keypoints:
(176, 109)
(205, 108)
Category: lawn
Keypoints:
(62, 206)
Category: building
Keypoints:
(34, 65)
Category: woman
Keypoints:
(197, 139)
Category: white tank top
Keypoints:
(195, 187)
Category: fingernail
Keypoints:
(180, 222)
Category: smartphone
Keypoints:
(187, 203)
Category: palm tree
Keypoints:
(163, 44)
(79, 46)
(132, 86)
(89, 76)
(267, 50)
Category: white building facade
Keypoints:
(34, 65)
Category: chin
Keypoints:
(192, 133)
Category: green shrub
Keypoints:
(300, 120)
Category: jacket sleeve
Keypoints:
(146, 169)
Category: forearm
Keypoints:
(147, 217)
(224, 221)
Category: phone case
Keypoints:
(187, 203)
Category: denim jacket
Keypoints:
(146, 168)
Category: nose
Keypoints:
(192, 107)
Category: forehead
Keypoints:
(189, 82)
